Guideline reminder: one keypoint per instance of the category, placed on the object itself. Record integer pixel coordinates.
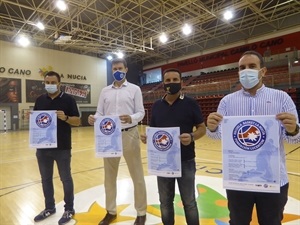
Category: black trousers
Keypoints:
(269, 206)
(46, 160)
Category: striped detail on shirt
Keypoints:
(266, 101)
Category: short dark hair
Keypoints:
(261, 59)
(172, 70)
(118, 60)
(52, 73)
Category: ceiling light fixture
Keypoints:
(228, 15)
(186, 29)
(40, 26)
(61, 5)
(163, 38)
(120, 55)
(109, 57)
(23, 41)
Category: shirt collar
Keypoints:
(124, 84)
(258, 91)
(181, 96)
(58, 96)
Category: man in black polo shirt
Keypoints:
(177, 110)
(67, 115)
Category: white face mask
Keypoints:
(249, 78)
(51, 88)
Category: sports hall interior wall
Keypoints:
(206, 77)
(29, 64)
(209, 77)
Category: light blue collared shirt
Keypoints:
(266, 101)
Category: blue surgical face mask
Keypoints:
(51, 88)
(249, 78)
(119, 75)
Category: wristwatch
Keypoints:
(67, 117)
(192, 137)
(293, 133)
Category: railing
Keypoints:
(278, 81)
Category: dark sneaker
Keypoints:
(44, 214)
(66, 217)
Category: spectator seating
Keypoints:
(208, 89)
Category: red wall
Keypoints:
(276, 45)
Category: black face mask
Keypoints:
(172, 88)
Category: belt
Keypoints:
(128, 128)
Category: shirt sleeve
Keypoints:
(35, 107)
(100, 106)
(198, 117)
(74, 109)
(139, 111)
(152, 119)
(290, 107)
(221, 110)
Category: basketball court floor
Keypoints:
(21, 195)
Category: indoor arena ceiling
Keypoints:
(100, 27)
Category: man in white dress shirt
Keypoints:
(125, 100)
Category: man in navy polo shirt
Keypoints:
(67, 115)
(177, 110)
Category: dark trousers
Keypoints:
(186, 185)
(46, 160)
(269, 206)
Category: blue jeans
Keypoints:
(46, 160)
(186, 185)
(269, 206)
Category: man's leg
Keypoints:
(45, 163)
(166, 191)
(270, 206)
(111, 166)
(240, 205)
(186, 186)
(63, 161)
(132, 155)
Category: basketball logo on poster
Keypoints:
(249, 135)
(107, 126)
(162, 140)
(43, 120)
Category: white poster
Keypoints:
(108, 137)
(43, 129)
(251, 159)
(164, 152)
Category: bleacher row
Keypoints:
(209, 89)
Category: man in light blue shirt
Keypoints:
(257, 99)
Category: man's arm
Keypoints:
(188, 138)
(72, 120)
(214, 119)
(139, 107)
(289, 121)
(200, 131)
(100, 109)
